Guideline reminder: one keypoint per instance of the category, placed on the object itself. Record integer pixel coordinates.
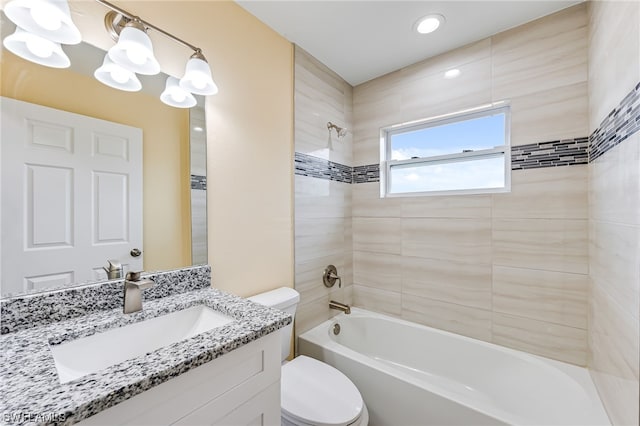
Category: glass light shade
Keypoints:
(36, 49)
(197, 78)
(134, 51)
(175, 96)
(49, 19)
(116, 76)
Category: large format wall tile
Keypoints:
(547, 244)
(380, 235)
(614, 208)
(614, 351)
(367, 202)
(455, 206)
(451, 317)
(449, 239)
(555, 297)
(374, 299)
(542, 338)
(554, 192)
(563, 110)
(379, 270)
(542, 55)
(615, 262)
(614, 186)
(463, 283)
(323, 231)
(614, 61)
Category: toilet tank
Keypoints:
(286, 299)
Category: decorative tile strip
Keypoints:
(621, 123)
(366, 173)
(199, 182)
(566, 152)
(32, 310)
(308, 165)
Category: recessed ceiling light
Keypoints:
(428, 24)
(452, 73)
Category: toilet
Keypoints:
(312, 392)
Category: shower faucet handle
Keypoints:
(331, 276)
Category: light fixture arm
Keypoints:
(130, 17)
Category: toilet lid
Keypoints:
(316, 393)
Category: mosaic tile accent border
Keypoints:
(31, 310)
(621, 123)
(566, 152)
(308, 165)
(366, 173)
(199, 182)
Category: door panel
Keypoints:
(71, 196)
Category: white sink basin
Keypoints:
(94, 353)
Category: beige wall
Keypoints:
(322, 207)
(166, 182)
(506, 268)
(614, 214)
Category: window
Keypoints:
(466, 153)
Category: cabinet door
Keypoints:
(261, 410)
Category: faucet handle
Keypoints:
(133, 278)
(330, 276)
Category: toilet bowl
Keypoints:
(312, 392)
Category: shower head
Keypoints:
(341, 131)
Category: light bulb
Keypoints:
(178, 96)
(199, 81)
(40, 47)
(119, 75)
(46, 16)
(136, 55)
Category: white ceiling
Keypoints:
(362, 40)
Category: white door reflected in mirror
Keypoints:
(71, 197)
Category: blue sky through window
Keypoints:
(479, 133)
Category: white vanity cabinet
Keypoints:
(241, 387)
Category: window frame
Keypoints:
(386, 163)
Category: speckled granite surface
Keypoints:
(36, 309)
(30, 392)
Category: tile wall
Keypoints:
(506, 268)
(322, 189)
(614, 206)
(552, 267)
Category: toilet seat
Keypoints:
(316, 393)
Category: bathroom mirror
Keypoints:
(174, 232)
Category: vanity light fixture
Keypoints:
(48, 19)
(134, 52)
(117, 76)
(41, 26)
(36, 49)
(428, 24)
(197, 76)
(176, 96)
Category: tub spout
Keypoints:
(340, 306)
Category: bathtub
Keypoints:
(409, 374)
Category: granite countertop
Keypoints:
(30, 392)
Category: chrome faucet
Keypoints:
(340, 307)
(113, 270)
(133, 286)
